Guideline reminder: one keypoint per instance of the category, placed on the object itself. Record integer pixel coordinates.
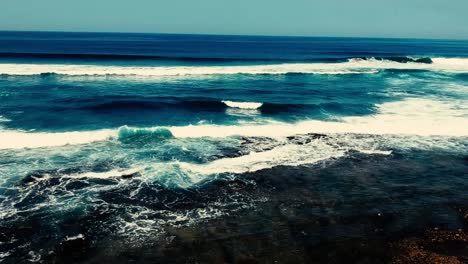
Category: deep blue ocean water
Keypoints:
(138, 142)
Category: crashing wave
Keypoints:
(425, 60)
(352, 66)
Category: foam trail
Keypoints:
(292, 155)
(108, 174)
(457, 65)
(243, 105)
(286, 155)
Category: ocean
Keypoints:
(121, 148)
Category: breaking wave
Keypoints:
(131, 135)
(243, 105)
(351, 66)
(412, 116)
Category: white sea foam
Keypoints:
(79, 236)
(10, 139)
(243, 105)
(4, 119)
(413, 116)
(107, 174)
(290, 155)
(457, 65)
(375, 151)
(4, 255)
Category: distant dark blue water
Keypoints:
(137, 137)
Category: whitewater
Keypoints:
(352, 66)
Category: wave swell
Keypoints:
(192, 59)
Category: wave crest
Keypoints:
(243, 105)
(134, 135)
(425, 60)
